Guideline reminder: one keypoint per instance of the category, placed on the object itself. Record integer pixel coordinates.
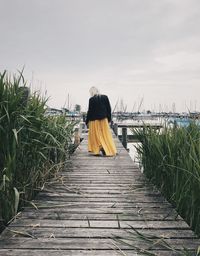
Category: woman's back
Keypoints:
(99, 108)
(98, 116)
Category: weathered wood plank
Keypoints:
(139, 212)
(105, 190)
(98, 216)
(89, 244)
(105, 198)
(47, 204)
(99, 182)
(83, 167)
(96, 191)
(144, 212)
(165, 224)
(107, 174)
(101, 177)
(92, 232)
(130, 187)
(60, 252)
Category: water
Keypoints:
(131, 146)
(182, 122)
(132, 151)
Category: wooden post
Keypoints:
(124, 137)
(115, 129)
(76, 137)
(80, 128)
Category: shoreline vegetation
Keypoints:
(33, 148)
(170, 160)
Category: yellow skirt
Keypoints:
(100, 137)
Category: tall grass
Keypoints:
(171, 160)
(32, 145)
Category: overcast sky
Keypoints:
(130, 49)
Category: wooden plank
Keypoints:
(87, 167)
(65, 182)
(106, 192)
(133, 186)
(42, 232)
(99, 216)
(111, 187)
(113, 199)
(129, 196)
(110, 179)
(107, 174)
(60, 252)
(120, 205)
(88, 244)
(116, 211)
(104, 174)
(106, 214)
(165, 224)
(97, 182)
(102, 192)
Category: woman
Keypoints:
(98, 116)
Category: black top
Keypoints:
(99, 108)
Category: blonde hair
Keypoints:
(94, 91)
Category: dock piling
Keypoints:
(124, 137)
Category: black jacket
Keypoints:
(99, 108)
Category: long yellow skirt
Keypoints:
(100, 137)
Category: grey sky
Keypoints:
(127, 48)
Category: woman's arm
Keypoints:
(88, 113)
(108, 107)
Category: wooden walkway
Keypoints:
(93, 205)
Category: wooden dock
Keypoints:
(94, 208)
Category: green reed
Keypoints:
(171, 160)
(32, 145)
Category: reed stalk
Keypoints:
(31, 144)
(170, 159)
